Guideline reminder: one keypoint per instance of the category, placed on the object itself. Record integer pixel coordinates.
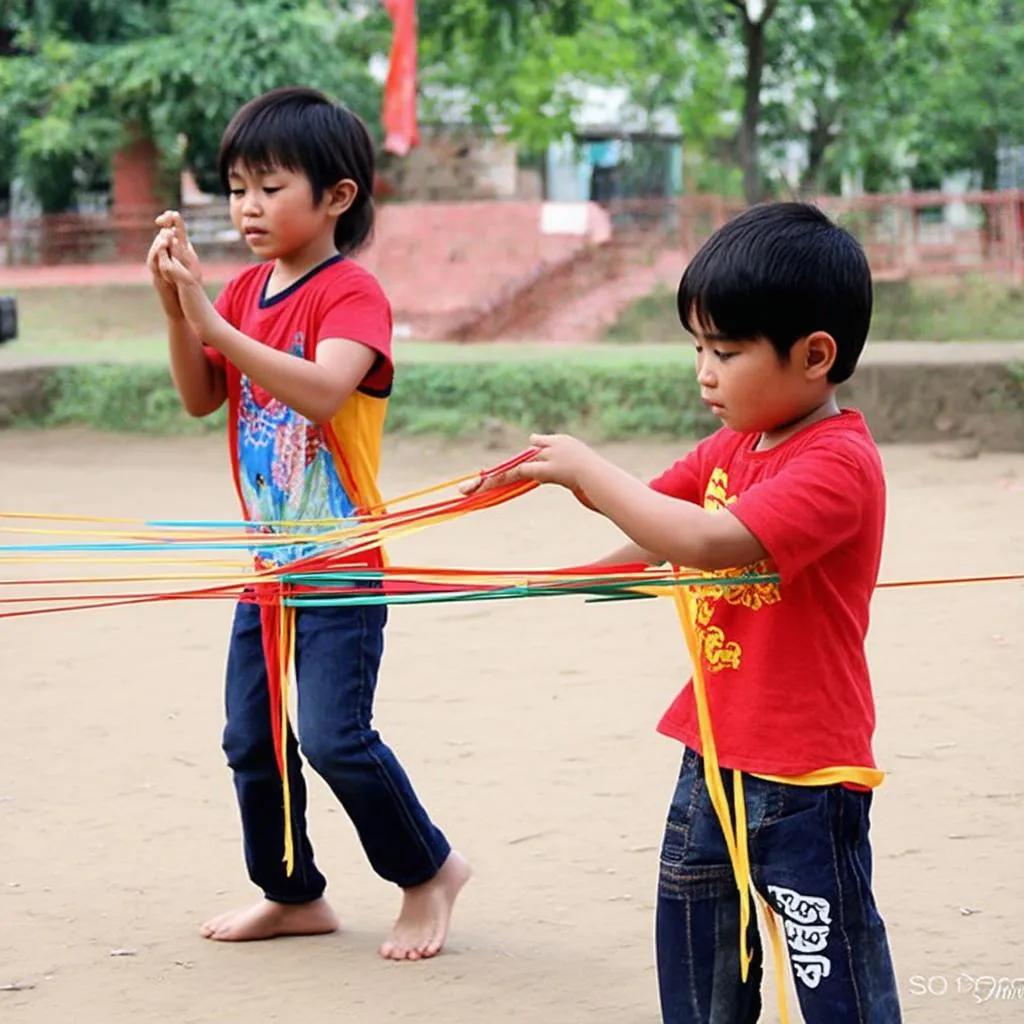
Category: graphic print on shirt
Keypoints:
(719, 651)
(286, 470)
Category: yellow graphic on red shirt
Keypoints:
(718, 651)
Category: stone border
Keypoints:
(925, 392)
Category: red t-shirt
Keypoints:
(286, 467)
(786, 673)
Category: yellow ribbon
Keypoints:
(736, 839)
(286, 653)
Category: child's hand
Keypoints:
(165, 288)
(560, 459)
(180, 245)
(486, 482)
(195, 304)
(171, 240)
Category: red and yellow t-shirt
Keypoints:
(285, 467)
(788, 686)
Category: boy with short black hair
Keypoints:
(300, 347)
(791, 488)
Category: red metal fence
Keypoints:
(74, 238)
(917, 234)
(905, 235)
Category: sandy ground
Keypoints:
(529, 730)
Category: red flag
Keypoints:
(401, 132)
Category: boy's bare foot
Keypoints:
(422, 926)
(268, 920)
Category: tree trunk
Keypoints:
(753, 41)
(818, 141)
(988, 159)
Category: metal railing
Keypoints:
(905, 235)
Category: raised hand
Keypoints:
(194, 303)
(165, 288)
(181, 245)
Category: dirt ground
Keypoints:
(528, 728)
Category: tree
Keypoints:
(753, 16)
(502, 62)
(525, 64)
(875, 87)
(742, 74)
(88, 72)
(969, 81)
(817, 71)
(841, 83)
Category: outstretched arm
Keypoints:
(628, 554)
(659, 526)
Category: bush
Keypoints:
(604, 399)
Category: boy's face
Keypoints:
(273, 210)
(750, 389)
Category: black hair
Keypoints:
(781, 271)
(301, 130)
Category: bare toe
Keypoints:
(422, 926)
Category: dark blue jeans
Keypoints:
(811, 859)
(337, 655)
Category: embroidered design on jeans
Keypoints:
(806, 921)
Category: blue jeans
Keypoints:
(811, 859)
(337, 654)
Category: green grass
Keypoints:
(153, 349)
(973, 309)
(75, 316)
(117, 378)
(123, 323)
(513, 353)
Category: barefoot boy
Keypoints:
(299, 346)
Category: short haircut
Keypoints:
(302, 131)
(781, 271)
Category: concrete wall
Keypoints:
(443, 264)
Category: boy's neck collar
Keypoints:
(276, 290)
(782, 433)
(299, 264)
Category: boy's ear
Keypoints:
(341, 196)
(819, 354)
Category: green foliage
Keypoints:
(120, 398)
(967, 78)
(92, 72)
(50, 123)
(972, 309)
(828, 71)
(216, 57)
(839, 78)
(1017, 372)
(876, 89)
(618, 399)
(522, 64)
